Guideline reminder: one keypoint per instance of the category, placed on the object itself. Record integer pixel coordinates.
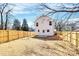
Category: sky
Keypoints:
(30, 12)
(27, 11)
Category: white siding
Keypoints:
(43, 24)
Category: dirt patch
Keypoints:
(36, 47)
(54, 37)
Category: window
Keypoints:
(36, 24)
(48, 30)
(43, 31)
(38, 30)
(50, 22)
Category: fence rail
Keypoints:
(8, 35)
(72, 37)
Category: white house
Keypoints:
(44, 26)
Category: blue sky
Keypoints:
(30, 11)
(27, 11)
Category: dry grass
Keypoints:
(35, 47)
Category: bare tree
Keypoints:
(5, 10)
(2, 8)
(7, 16)
(62, 8)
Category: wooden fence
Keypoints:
(8, 35)
(72, 37)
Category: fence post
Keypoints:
(3, 35)
(27, 33)
(18, 34)
(30, 33)
(7, 35)
(76, 40)
(23, 33)
(70, 35)
(67, 35)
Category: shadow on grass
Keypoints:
(45, 38)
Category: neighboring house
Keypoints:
(44, 26)
(76, 27)
(69, 27)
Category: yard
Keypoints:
(35, 47)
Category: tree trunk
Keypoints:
(6, 22)
(1, 21)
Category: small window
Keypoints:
(38, 30)
(48, 30)
(43, 31)
(36, 24)
(50, 22)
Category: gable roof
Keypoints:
(42, 17)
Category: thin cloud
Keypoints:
(24, 8)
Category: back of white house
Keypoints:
(44, 26)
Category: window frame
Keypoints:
(36, 24)
(38, 30)
(50, 23)
(43, 31)
(48, 30)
